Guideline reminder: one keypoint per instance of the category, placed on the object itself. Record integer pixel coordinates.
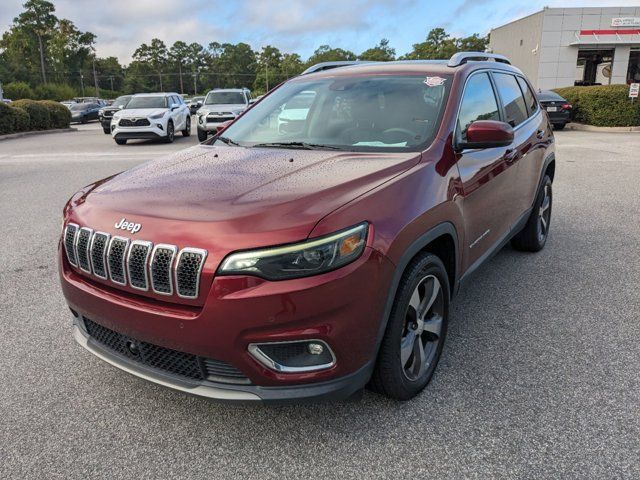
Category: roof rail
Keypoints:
(463, 57)
(318, 67)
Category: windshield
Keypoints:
(121, 101)
(197, 99)
(225, 98)
(372, 113)
(147, 102)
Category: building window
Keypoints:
(594, 67)
(633, 72)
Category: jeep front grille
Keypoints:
(164, 359)
(163, 269)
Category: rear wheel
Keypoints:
(202, 135)
(187, 128)
(171, 134)
(121, 141)
(558, 126)
(533, 237)
(415, 333)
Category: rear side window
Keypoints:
(478, 103)
(529, 97)
(514, 105)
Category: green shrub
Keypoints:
(39, 117)
(59, 114)
(17, 90)
(7, 121)
(602, 105)
(21, 119)
(55, 91)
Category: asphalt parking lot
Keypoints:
(540, 376)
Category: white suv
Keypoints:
(220, 106)
(151, 115)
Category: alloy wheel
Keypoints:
(544, 214)
(423, 327)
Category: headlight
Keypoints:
(312, 257)
(101, 112)
(156, 116)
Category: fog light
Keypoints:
(296, 356)
(159, 125)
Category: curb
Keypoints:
(10, 136)
(580, 127)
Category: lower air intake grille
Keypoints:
(99, 246)
(82, 248)
(137, 264)
(69, 243)
(188, 270)
(116, 256)
(164, 359)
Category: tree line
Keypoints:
(44, 53)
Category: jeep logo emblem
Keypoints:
(129, 226)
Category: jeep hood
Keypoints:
(240, 193)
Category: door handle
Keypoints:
(510, 155)
(540, 134)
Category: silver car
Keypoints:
(220, 106)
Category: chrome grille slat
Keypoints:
(187, 272)
(161, 268)
(82, 245)
(99, 244)
(137, 261)
(116, 256)
(70, 232)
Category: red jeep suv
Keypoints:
(313, 246)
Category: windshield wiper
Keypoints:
(228, 141)
(297, 145)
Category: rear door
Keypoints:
(523, 113)
(487, 175)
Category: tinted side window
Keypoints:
(478, 103)
(512, 99)
(529, 97)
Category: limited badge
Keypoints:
(434, 81)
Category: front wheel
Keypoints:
(202, 135)
(187, 127)
(416, 330)
(106, 130)
(559, 126)
(170, 133)
(533, 237)
(121, 141)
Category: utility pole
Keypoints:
(44, 75)
(95, 79)
(111, 80)
(195, 83)
(160, 75)
(82, 82)
(181, 85)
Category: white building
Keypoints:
(561, 47)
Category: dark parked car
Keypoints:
(303, 264)
(106, 113)
(558, 109)
(194, 104)
(83, 112)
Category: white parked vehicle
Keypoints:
(151, 115)
(220, 106)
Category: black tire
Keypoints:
(187, 129)
(121, 141)
(533, 237)
(106, 130)
(559, 126)
(171, 133)
(202, 135)
(394, 376)
(84, 120)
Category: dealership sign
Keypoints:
(625, 22)
(634, 89)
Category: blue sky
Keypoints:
(292, 25)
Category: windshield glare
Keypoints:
(121, 101)
(374, 113)
(225, 98)
(147, 102)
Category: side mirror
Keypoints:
(220, 128)
(487, 134)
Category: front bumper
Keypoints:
(335, 390)
(211, 125)
(150, 131)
